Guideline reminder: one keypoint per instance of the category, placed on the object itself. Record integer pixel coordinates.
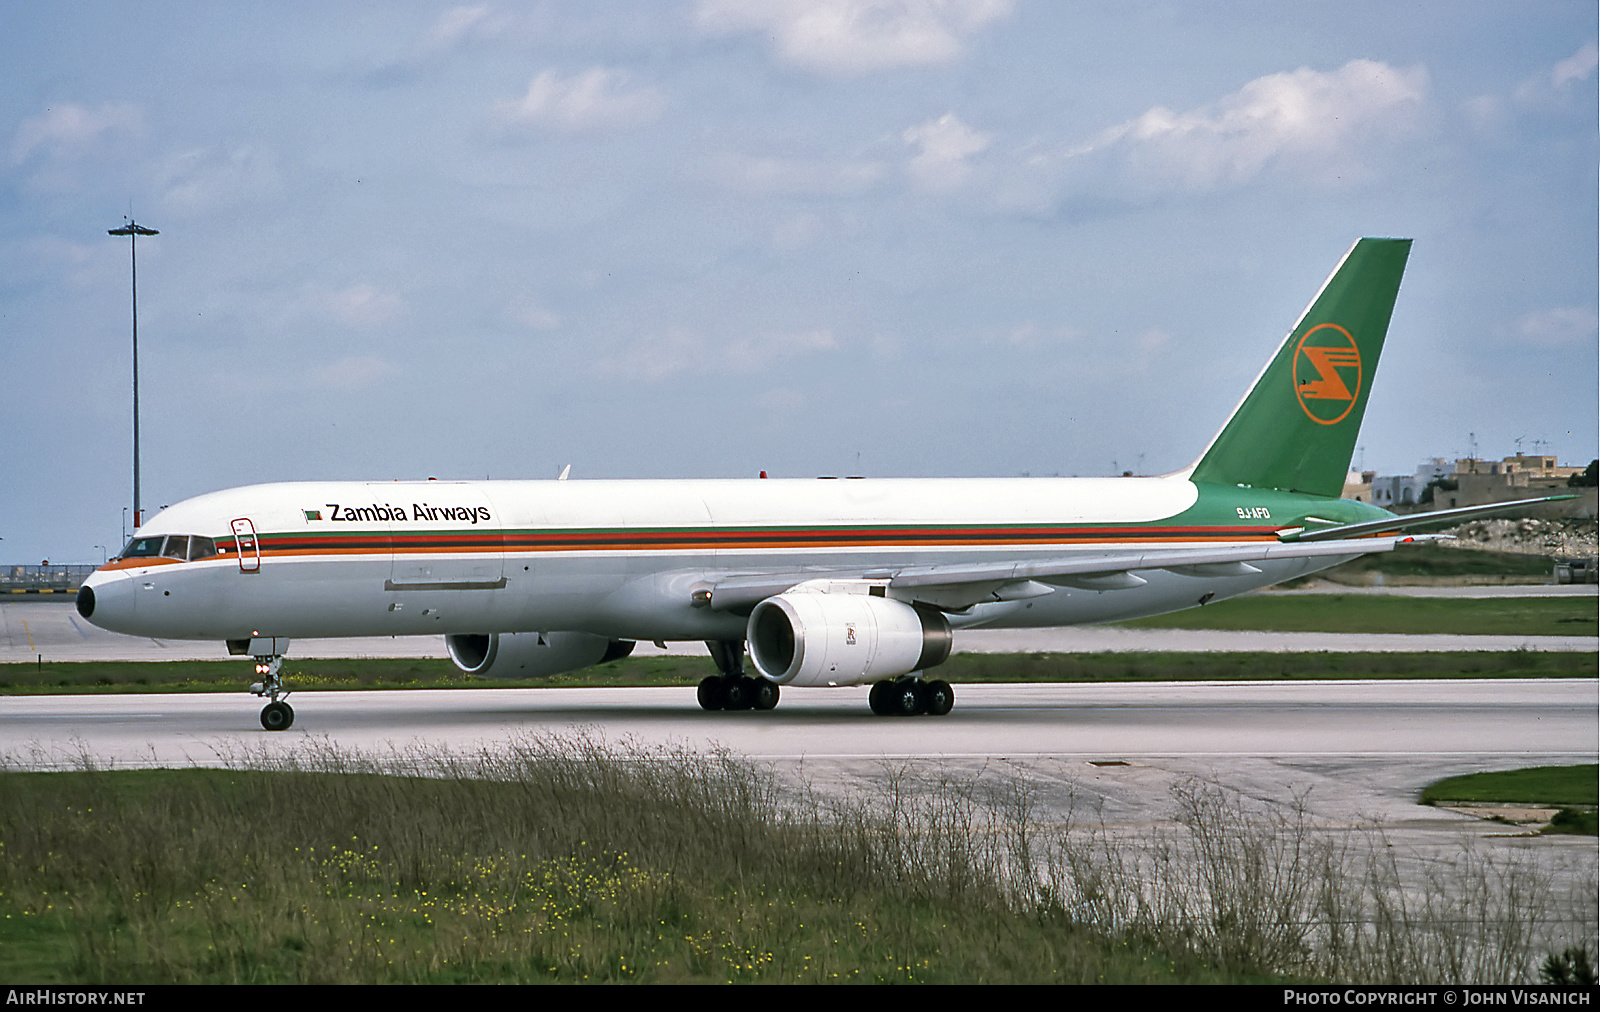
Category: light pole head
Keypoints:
(132, 228)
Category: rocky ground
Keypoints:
(1567, 538)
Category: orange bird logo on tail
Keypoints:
(1327, 373)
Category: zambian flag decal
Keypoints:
(313, 514)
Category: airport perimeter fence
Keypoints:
(43, 579)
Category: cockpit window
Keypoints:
(183, 547)
(140, 548)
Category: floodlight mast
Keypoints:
(133, 230)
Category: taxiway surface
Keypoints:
(1470, 720)
(1364, 746)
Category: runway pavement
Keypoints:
(1479, 718)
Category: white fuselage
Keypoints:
(624, 559)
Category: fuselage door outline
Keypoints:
(249, 549)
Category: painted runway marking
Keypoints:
(1135, 757)
(76, 716)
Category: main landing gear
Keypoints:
(733, 689)
(907, 697)
(276, 715)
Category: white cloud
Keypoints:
(363, 306)
(353, 373)
(1576, 67)
(666, 353)
(753, 354)
(944, 146)
(855, 36)
(49, 259)
(1316, 126)
(1555, 84)
(782, 400)
(70, 130)
(1486, 114)
(595, 99)
(1032, 337)
(798, 231)
(1562, 325)
(457, 23)
(1148, 348)
(771, 175)
(656, 356)
(532, 316)
(202, 179)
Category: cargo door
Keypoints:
(451, 538)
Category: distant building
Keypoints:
(1402, 492)
(1480, 482)
(1358, 485)
(1468, 481)
(1536, 466)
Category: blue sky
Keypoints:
(711, 238)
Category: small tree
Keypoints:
(1570, 967)
(1437, 484)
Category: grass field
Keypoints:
(568, 860)
(1425, 559)
(1538, 785)
(1576, 789)
(311, 675)
(560, 862)
(1374, 613)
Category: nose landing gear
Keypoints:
(276, 715)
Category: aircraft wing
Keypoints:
(957, 585)
(1400, 523)
(952, 583)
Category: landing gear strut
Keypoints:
(276, 715)
(733, 689)
(909, 696)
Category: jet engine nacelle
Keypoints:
(531, 655)
(803, 637)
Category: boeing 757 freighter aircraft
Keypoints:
(830, 582)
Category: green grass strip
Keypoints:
(1538, 785)
(402, 673)
(1392, 614)
(1426, 559)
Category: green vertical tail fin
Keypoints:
(1296, 428)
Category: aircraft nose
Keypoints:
(106, 600)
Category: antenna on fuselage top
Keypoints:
(564, 472)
